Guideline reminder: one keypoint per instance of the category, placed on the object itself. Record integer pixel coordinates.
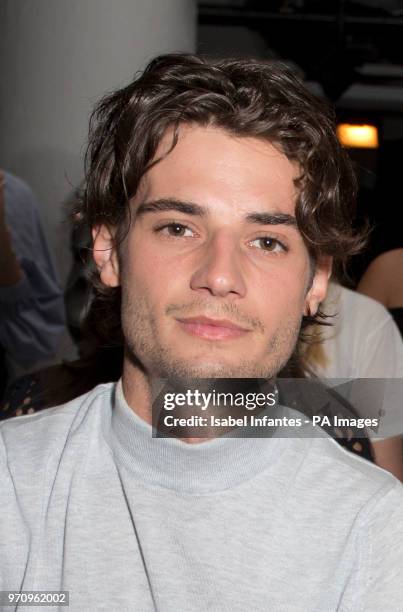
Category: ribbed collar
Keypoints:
(199, 468)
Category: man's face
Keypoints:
(214, 273)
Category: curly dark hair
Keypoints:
(245, 97)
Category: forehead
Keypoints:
(210, 166)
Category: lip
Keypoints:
(212, 329)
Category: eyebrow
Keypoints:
(190, 208)
(166, 204)
(272, 219)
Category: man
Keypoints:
(218, 195)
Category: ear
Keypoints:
(105, 255)
(318, 289)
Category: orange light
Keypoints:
(358, 136)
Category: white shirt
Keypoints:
(364, 343)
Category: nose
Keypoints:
(218, 272)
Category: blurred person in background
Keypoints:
(362, 342)
(32, 317)
(383, 282)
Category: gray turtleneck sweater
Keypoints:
(92, 504)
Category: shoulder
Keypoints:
(31, 441)
(338, 486)
(368, 501)
(346, 304)
(356, 317)
(383, 277)
(21, 207)
(364, 318)
(347, 475)
(354, 507)
(385, 261)
(324, 461)
(353, 303)
(17, 189)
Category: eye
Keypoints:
(267, 243)
(175, 229)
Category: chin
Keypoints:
(213, 370)
(212, 365)
(199, 368)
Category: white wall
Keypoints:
(57, 57)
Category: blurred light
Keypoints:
(358, 136)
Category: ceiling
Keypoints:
(352, 49)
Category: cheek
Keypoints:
(285, 289)
(280, 304)
(147, 274)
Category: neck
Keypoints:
(136, 387)
(221, 463)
